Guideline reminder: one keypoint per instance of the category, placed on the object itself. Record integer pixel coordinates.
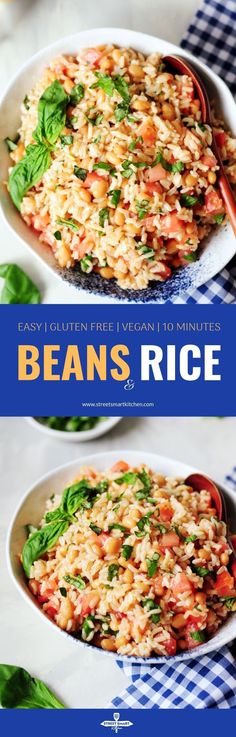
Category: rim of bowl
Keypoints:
(185, 656)
(180, 285)
(101, 428)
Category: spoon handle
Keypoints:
(228, 198)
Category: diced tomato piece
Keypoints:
(91, 178)
(213, 202)
(171, 224)
(220, 138)
(119, 467)
(83, 248)
(166, 512)
(191, 642)
(224, 583)
(169, 540)
(164, 271)
(51, 611)
(170, 646)
(155, 173)
(89, 601)
(120, 615)
(181, 584)
(152, 187)
(148, 133)
(208, 160)
(92, 56)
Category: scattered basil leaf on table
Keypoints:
(18, 690)
(18, 287)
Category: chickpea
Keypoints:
(172, 246)
(112, 158)
(160, 479)
(234, 607)
(119, 149)
(85, 195)
(182, 644)
(120, 641)
(178, 621)
(190, 180)
(97, 550)
(200, 598)
(124, 563)
(99, 188)
(66, 608)
(72, 555)
(128, 576)
(224, 559)
(68, 84)
(211, 177)
(112, 545)
(141, 105)
(136, 71)
(168, 111)
(63, 255)
(119, 218)
(133, 228)
(116, 55)
(106, 63)
(108, 644)
(204, 554)
(107, 273)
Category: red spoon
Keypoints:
(181, 66)
(199, 481)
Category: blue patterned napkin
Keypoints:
(211, 37)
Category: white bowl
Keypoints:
(220, 246)
(83, 436)
(31, 510)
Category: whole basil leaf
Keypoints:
(41, 541)
(51, 113)
(18, 690)
(18, 287)
(28, 171)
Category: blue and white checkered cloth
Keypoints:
(206, 683)
(211, 37)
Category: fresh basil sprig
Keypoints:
(51, 113)
(39, 542)
(18, 287)
(18, 690)
(28, 172)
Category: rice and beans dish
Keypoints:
(132, 561)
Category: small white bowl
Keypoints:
(218, 248)
(82, 436)
(32, 507)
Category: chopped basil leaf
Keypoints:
(103, 216)
(116, 526)
(190, 539)
(26, 102)
(198, 636)
(121, 86)
(201, 126)
(95, 528)
(190, 257)
(134, 143)
(105, 83)
(188, 200)
(142, 207)
(66, 140)
(77, 94)
(126, 551)
(115, 196)
(113, 571)
(201, 571)
(177, 166)
(76, 581)
(219, 218)
(95, 120)
(228, 601)
(88, 628)
(57, 235)
(104, 165)
(121, 111)
(152, 564)
(144, 521)
(161, 528)
(86, 263)
(63, 591)
(146, 251)
(68, 223)
(128, 478)
(80, 173)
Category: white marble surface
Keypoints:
(79, 678)
(28, 25)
